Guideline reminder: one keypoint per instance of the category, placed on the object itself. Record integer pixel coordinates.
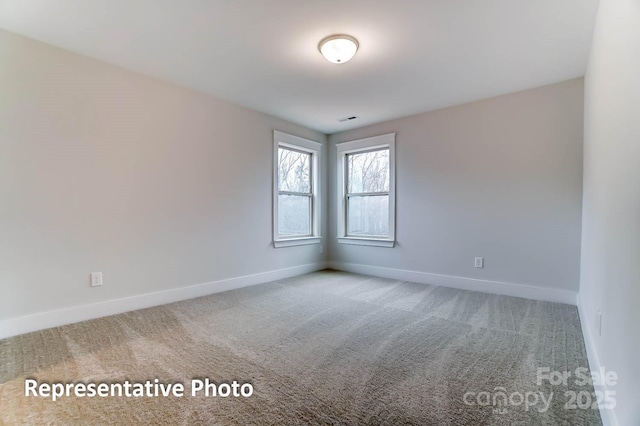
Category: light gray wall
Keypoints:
(499, 178)
(102, 169)
(610, 279)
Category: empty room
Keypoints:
(285, 212)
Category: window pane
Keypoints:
(294, 171)
(368, 215)
(294, 215)
(368, 171)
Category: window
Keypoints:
(296, 204)
(366, 191)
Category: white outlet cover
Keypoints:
(96, 279)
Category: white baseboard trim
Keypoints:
(485, 286)
(608, 416)
(40, 321)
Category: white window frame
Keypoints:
(353, 147)
(297, 143)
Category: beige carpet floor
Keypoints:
(324, 348)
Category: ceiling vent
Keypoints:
(349, 118)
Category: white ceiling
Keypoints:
(415, 55)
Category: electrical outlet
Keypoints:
(96, 279)
(479, 262)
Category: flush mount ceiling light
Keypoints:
(338, 48)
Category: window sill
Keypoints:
(375, 242)
(302, 241)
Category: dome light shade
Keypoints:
(338, 49)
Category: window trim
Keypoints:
(358, 146)
(307, 146)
